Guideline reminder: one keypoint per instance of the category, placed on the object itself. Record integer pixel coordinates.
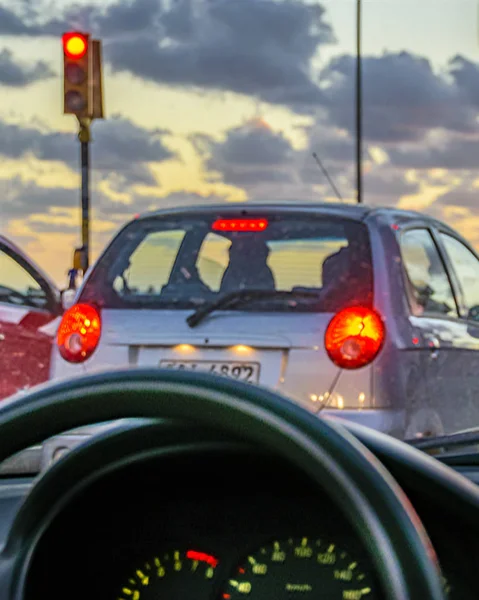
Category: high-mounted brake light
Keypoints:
(354, 337)
(240, 225)
(79, 333)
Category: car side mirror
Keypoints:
(68, 298)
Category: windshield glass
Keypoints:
(117, 162)
(185, 262)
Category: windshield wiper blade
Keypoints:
(240, 296)
(450, 440)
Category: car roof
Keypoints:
(358, 212)
(354, 211)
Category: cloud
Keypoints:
(14, 74)
(386, 187)
(21, 199)
(336, 153)
(11, 23)
(249, 154)
(452, 153)
(261, 48)
(26, 21)
(403, 97)
(465, 75)
(463, 196)
(119, 147)
(44, 208)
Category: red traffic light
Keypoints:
(75, 45)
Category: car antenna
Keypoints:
(326, 174)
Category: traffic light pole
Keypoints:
(84, 137)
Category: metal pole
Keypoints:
(84, 137)
(359, 124)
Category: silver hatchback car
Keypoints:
(368, 313)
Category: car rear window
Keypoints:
(182, 263)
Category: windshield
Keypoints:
(168, 263)
(130, 129)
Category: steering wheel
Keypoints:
(334, 459)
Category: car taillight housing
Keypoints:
(79, 333)
(354, 337)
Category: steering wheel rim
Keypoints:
(366, 493)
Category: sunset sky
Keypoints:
(225, 100)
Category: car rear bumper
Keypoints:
(385, 420)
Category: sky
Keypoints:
(225, 101)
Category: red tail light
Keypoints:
(79, 333)
(354, 337)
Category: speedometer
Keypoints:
(299, 568)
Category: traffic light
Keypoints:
(77, 68)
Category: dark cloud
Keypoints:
(386, 187)
(257, 47)
(14, 74)
(26, 21)
(465, 74)
(119, 147)
(11, 23)
(266, 165)
(453, 153)
(403, 98)
(262, 48)
(464, 196)
(24, 199)
(335, 152)
(131, 16)
(250, 154)
(21, 199)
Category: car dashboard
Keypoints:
(219, 525)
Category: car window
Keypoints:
(293, 263)
(213, 260)
(298, 263)
(17, 286)
(150, 264)
(180, 264)
(466, 267)
(428, 285)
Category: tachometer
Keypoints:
(174, 575)
(299, 568)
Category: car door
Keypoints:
(464, 266)
(434, 317)
(27, 305)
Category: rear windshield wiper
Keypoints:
(242, 296)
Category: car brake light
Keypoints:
(354, 337)
(79, 332)
(240, 225)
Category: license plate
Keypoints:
(248, 372)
